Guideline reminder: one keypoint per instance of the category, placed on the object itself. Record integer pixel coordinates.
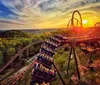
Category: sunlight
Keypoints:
(85, 21)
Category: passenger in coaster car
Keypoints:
(36, 66)
(46, 70)
(54, 38)
(52, 46)
(37, 70)
(40, 70)
(48, 74)
(45, 83)
(59, 37)
(52, 74)
(48, 58)
(44, 61)
(52, 43)
(50, 50)
(42, 50)
(46, 52)
(39, 58)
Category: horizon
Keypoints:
(42, 28)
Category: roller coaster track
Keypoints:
(49, 47)
(16, 55)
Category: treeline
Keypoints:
(12, 41)
(13, 34)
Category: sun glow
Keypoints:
(85, 21)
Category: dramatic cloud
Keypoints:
(45, 13)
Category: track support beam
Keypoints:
(59, 74)
(76, 63)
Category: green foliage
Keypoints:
(11, 51)
(37, 37)
(13, 41)
(42, 36)
(2, 47)
(26, 41)
(61, 60)
(18, 43)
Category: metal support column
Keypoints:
(76, 63)
(59, 74)
(69, 60)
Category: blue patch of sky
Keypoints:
(5, 12)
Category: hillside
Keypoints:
(13, 33)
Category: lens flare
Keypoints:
(85, 21)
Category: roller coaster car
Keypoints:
(45, 83)
(42, 73)
(46, 65)
(42, 50)
(53, 47)
(56, 44)
(39, 67)
(45, 60)
(50, 47)
(45, 47)
(55, 41)
(59, 37)
(36, 81)
(48, 57)
(39, 82)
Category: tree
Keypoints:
(26, 41)
(11, 51)
(2, 47)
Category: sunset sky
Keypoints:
(33, 14)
